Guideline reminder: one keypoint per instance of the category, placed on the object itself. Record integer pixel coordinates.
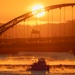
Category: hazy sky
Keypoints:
(10, 9)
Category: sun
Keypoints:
(38, 10)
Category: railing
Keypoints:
(37, 41)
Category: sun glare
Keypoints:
(37, 12)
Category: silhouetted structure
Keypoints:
(40, 65)
(48, 39)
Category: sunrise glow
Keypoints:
(37, 12)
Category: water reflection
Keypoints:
(38, 73)
(51, 59)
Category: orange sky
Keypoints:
(10, 9)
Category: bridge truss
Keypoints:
(15, 21)
(35, 35)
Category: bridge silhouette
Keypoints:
(40, 36)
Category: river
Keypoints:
(29, 58)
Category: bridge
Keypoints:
(29, 33)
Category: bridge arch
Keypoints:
(16, 20)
